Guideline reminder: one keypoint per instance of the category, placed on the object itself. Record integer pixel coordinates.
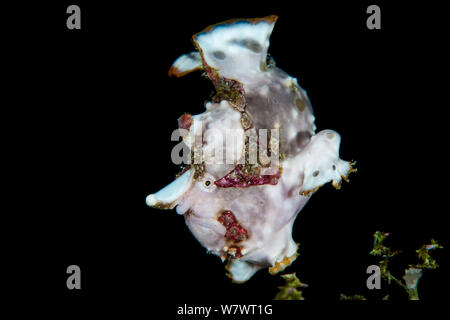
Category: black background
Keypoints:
(96, 111)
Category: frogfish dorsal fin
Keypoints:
(234, 49)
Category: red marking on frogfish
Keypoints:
(238, 179)
(235, 232)
(185, 121)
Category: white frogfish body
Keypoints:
(239, 205)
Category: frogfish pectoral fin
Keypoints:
(167, 197)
